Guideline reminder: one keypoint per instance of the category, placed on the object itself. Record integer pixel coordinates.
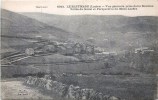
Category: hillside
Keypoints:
(90, 24)
(110, 32)
(17, 25)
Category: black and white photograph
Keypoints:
(47, 56)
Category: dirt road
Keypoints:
(16, 90)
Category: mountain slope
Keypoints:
(90, 24)
(17, 25)
(110, 32)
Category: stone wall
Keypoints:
(67, 92)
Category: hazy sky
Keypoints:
(31, 6)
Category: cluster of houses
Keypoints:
(143, 50)
(65, 48)
(141, 59)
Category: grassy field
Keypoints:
(13, 89)
(127, 87)
(118, 79)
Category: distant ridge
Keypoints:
(109, 31)
(17, 25)
(91, 24)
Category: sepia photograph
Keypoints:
(47, 56)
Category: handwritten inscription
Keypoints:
(41, 6)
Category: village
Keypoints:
(78, 57)
(66, 79)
